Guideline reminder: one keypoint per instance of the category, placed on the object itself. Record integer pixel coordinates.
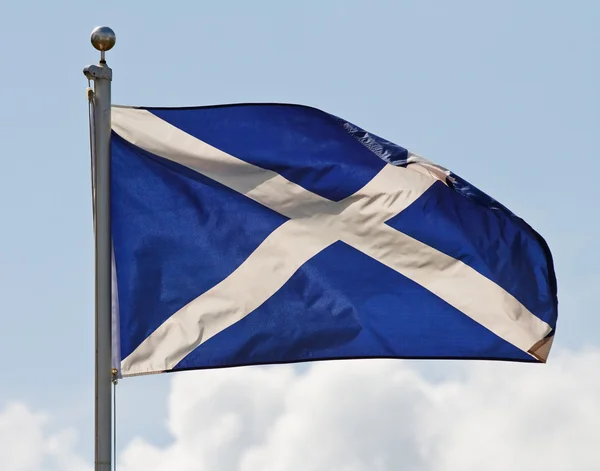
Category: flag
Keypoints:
(264, 233)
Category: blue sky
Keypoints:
(504, 93)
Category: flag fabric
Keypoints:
(265, 233)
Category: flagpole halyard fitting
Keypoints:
(103, 39)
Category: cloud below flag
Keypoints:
(264, 233)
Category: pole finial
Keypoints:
(103, 38)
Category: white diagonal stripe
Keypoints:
(256, 280)
(453, 281)
(146, 131)
(316, 223)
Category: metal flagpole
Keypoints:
(103, 39)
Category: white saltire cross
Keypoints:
(315, 223)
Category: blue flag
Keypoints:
(258, 234)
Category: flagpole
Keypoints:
(103, 39)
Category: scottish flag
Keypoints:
(256, 234)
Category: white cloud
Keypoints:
(352, 416)
(27, 445)
(380, 416)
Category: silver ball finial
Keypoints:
(103, 38)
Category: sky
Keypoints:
(504, 93)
